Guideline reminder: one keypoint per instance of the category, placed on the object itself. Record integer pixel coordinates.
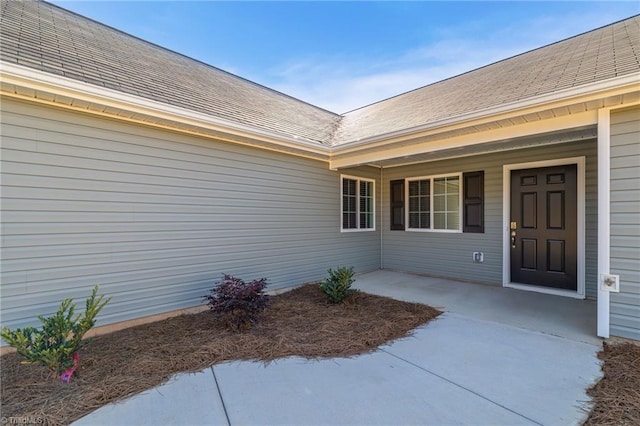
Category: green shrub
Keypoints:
(337, 286)
(60, 337)
(238, 303)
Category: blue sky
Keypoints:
(344, 55)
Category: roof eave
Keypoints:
(583, 93)
(89, 94)
(94, 99)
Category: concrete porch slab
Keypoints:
(556, 315)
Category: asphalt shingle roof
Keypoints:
(43, 36)
(598, 55)
(48, 38)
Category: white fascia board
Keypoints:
(74, 89)
(583, 119)
(586, 93)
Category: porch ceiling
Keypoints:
(551, 138)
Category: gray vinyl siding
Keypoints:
(625, 222)
(450, 254)
(156, 217)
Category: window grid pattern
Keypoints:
(420, 204)
(349, 203)
(358, 202)
(434, 203)
(446, 203)
(366, 205)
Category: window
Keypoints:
(446, 203)
(357, 204)
(434, 203)
(420, 204)
(451, 203)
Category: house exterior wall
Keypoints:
(450, 254)
(625, 222)
(155, 217)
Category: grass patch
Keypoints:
(300, 322)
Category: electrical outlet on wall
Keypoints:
(478, 257)
(609, 282)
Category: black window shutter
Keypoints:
(473, 187)
(397, 205)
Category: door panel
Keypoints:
(543, 230)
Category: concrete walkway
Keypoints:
(458, 369)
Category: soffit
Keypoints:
(551, 138)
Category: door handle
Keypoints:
(513, 239)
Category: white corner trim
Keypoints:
(604, 231)
(580, 162)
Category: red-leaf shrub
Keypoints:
(238, 303)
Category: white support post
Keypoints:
(604, 232)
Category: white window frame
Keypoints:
(373, 203)
(431, 199)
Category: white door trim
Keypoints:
(506, 215)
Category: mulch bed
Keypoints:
(299, 322)
(616, 397)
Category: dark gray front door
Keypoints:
(543, 228)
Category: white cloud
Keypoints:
(341, 84)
